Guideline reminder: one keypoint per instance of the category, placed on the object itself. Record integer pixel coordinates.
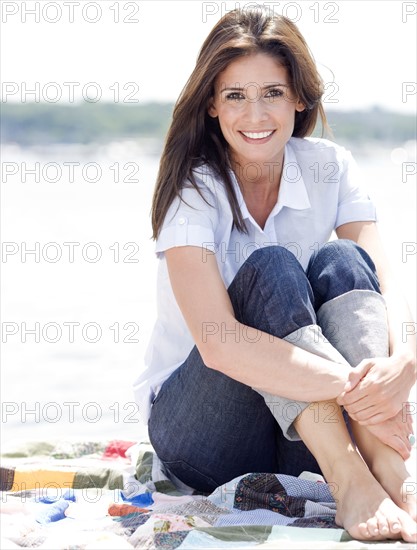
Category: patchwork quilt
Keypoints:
(115, 494)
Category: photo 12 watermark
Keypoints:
(238, 252)
(69, 172)
(69, 92)
(27, 11)
(72, 412)
(238, 332)
(408, 12)
(408, 170)
(317, 12)
(68, 332)
(69, 252)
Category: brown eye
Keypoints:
(234, 96)
(274, 93)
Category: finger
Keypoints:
(365, 387)
(406, 442)
(405, 455)
(408, 446)
(356, 375)
(400, 448)
(355, 396)
(404, 433)
(363, 414)
(376, 419)
(341, 399)
(384, 409)
(408, 408)
(364, 366)
(358, 406)
(353, 381)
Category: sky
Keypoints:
(139, 51)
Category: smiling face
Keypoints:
(256, 108)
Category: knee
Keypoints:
(273, 257)
(342, 256)
(271, 292)
(338, 267)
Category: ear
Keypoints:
(212, 111)
(300, 106)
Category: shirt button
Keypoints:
(181, 221)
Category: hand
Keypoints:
(377, 389)
(394, 432)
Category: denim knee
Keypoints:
(339, 267)
(272, 293)
(274, 255)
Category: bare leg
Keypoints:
(364, 508)
(388, 468)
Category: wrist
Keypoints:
(343, 374)
(406, 358)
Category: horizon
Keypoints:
(130, 51)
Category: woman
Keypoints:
(240, 377)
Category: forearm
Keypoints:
(402, 329)
(273, 365)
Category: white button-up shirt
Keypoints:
(320, 189)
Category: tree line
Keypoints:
(42, 123)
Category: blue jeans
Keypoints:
(208, 428)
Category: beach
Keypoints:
(79, 280)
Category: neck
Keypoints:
(259, 184)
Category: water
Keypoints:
(116, 291)
(68, 385)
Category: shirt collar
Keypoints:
(292, 191)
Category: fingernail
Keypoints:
(396, 526)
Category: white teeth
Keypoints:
(257, 135)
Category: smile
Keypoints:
(257, 135)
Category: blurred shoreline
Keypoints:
(48, 123)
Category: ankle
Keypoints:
(350, 462)
(389, 466)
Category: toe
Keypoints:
(372, 526)
(408, 529)
(364, 533)
(383, 525)
(394, 526)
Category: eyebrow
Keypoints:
(240, 89)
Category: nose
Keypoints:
(255, 110)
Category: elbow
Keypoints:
(213, 356)
(211, 359)
(217, 351)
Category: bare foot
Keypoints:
(408, 499)
(397, 482)
(366, 511)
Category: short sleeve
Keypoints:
(354, 203)
(190, 221)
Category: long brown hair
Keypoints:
(195, 137)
